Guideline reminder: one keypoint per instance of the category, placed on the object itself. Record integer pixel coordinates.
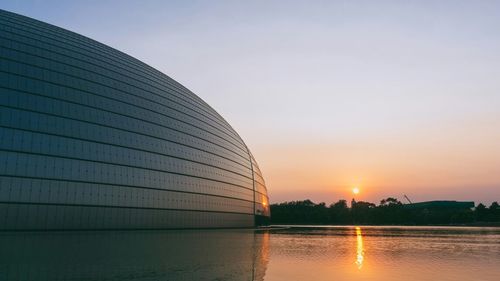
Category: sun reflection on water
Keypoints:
(360, 252)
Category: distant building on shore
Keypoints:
(441, 204)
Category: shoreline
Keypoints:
(494, 224)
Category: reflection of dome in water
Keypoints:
(93, 138)
(135, 255)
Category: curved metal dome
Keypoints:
(92, 138)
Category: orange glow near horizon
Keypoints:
(327, 172)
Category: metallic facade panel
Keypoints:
(91, 138)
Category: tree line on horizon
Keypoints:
(389, 211)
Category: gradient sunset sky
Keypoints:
(396, 97)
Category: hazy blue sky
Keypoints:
(392, 96)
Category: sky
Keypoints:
(393, 97)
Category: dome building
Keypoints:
(91, 138)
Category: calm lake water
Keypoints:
(316, 253)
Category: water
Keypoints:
(307, 253)
(385, 253)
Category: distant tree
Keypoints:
(493, 212)
(481, 212)
(341, 204)
(363, 205)
(306, 203)
(494, 206)
(390, 202)
(300, 212)
(480, 207)
(389, 211)
(362, 212)
(321, 213)
(339, 213)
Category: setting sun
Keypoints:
(355, 190)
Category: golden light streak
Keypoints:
(360, 252)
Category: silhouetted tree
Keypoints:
(494, 206)
(304, 212)
(362, 212)
(390, 202)
(493, 213)
(481, 212)
(389, 211)
(339, 213)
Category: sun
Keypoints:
(355, 190)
